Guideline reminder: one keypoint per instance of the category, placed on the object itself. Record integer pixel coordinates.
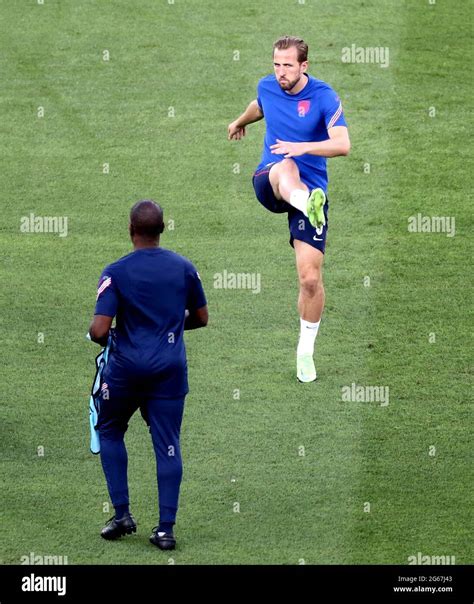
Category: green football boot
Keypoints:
(315, 208)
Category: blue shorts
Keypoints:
(299, 225)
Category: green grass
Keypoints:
(116, 112)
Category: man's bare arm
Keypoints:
(236, 129)
(337, 144)
(99, 329)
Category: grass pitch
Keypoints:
(316, 479)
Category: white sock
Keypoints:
(299, 200)
(308, 333)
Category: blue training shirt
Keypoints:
(302, 117)
(148, 292)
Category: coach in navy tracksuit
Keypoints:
(155, 295)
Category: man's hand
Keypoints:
(236, 129)
(235, 132)
(288, 149)
(197, 318)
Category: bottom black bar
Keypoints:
(330, 583)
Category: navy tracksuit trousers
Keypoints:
(118, 401)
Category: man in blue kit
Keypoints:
(155, 295)
(304, 125)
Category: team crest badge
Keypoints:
(303, 108)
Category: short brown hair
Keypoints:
(288, 41)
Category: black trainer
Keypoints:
(116, 528)
(162, 540)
